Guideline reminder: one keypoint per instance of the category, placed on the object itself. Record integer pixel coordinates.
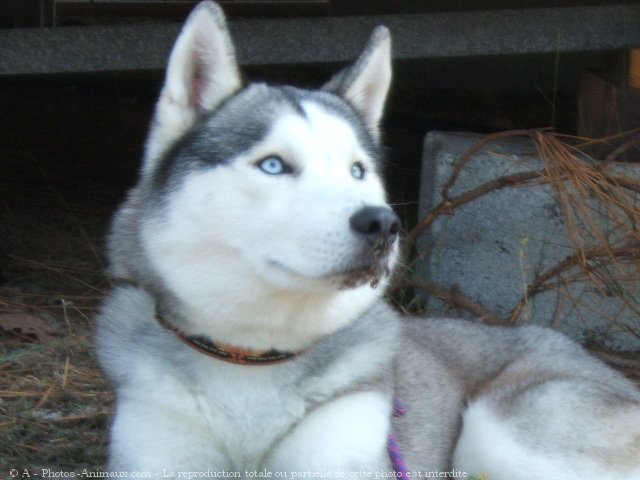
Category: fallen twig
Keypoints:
(456, 299)
(468, 155)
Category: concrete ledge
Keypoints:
(330, 39)
(491, 248)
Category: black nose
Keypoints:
(376, 224)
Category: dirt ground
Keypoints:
(67, 156)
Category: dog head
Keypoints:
(263, 197)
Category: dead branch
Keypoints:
(454, 298)
(579, 259)
(468, 155)
(446, 207)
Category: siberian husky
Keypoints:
(246, 335)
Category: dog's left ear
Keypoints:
(201, 73)
(365, 84)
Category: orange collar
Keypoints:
(229, 353)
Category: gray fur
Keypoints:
(511, 367)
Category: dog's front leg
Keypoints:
(154, 439)
(344, 436)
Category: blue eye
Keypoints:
(274, 165)
(357, 171)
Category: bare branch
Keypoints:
(468, 155)
(454, 298)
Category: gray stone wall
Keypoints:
(492, 248)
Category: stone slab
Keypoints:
(491, 248)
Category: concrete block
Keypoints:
(492, 248)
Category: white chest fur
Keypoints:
(179, 409)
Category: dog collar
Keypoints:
(228, 353)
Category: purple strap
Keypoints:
(395, 454)
(397, 460)
(398, 408)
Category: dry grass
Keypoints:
(54, 401)
(54, 405)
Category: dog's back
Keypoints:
(534, 404)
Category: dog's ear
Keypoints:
(202, 72)
(365, 84)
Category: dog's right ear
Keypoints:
(202, 72)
